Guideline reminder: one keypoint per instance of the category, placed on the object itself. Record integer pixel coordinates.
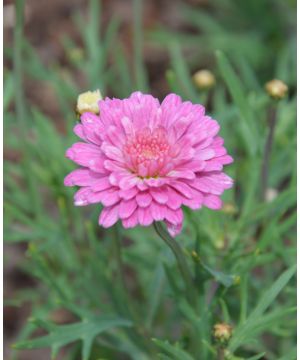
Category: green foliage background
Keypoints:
(123, 288)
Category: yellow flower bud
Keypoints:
(277, 89)
(222, 333)
(204, 79)
(88, 102)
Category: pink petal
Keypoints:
(144, 216)
(183, 174)
(109, 216)
(128, 182)
(158, 211)
(183, 188)
(128, 194)
(144, 199)
(112, 152)
(212, 201)
(174, 199)
(110, 197)
(82, 177)
(174, 216)
(131, 221)
(127, 208)
(160, 194)
(174, 230)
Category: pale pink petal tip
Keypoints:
(143, 161)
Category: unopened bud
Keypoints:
(229, 208)
(204, 79)
(271, 194)
(88, 102)
(277, 89)
(222, 333)
(195, 256)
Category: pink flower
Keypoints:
(143, 161)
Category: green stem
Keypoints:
(120, 273)
(181, 261)
(137, 334)
(20, 103)
(139, 69)
(267, 152)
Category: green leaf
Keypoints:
(257, 357)
(247, 123)
(291, 355)
(224, 279)
(270, 295)
(86, 331)
(182, 73)
(174, 350)
(256, 319)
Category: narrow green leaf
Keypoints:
(86, 330)
(257, 357)
(247, 123)
(255, 320)
(176, 352)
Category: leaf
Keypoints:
(270, 295)
(86, 331)
(291, 355)
(247, 123)
(257, 357)
(175, 351)
(224, 279)
(255, 319)
(182, 73)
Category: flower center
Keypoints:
(146, 151)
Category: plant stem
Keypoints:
(221, 355)
(267, 152)
(120, 272)
(20, 104)
(137, 334)
(139, 68)
(182, 264)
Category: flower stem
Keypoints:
(181, 261)
(20, 105)
(267, 152)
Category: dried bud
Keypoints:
(204, 79)
(277, 89)
(222, 333)
(88, 101)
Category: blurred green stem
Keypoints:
(20, 103)
(182, 264)
(138, 334)
(139, 70)
(267, 152)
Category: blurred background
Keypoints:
(64, 48)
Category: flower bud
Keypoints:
(229, 209)
(204, 79)
(88, 102)
(222, 333)
(271, 194)
(277, 89)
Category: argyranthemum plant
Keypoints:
(143, 161)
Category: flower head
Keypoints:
(143, 161)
